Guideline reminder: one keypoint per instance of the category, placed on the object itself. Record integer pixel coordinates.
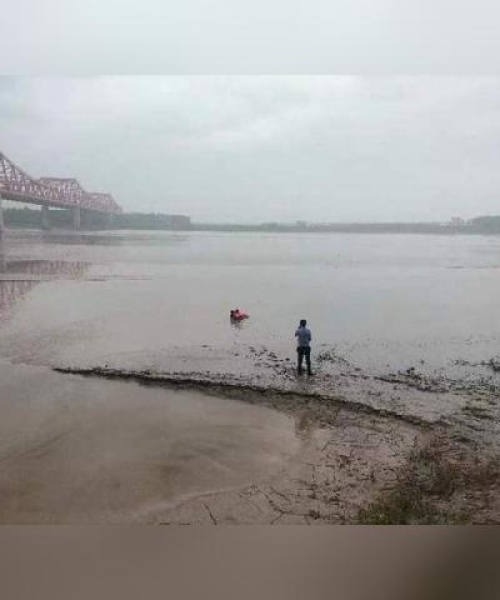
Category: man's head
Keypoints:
(303, 322)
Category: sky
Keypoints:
(265, 148)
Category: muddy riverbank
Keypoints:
(86, 450)
(356, 464)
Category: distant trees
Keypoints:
(152, 221)
(62, 219)
(22, 217)
(485, 224)
(329, 227)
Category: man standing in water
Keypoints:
(303, 335)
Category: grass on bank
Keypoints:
(436, 486)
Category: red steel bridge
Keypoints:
(18, 186)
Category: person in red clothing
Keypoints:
(237, 315)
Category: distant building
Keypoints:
(154, 221)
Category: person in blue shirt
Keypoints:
(303, 335)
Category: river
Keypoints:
(382, 301)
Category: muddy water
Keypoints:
(159, 303)
(381, 300)
(79, 450)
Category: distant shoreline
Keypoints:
(422, 229)
(194, 229)
(61, 219)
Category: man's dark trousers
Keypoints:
(301, 352)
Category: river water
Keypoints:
(159, 302)
(384, 302)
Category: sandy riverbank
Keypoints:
(87, 450)
(129, 447)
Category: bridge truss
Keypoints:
(17, 185)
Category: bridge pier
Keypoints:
(76, 213)
(45, 217)
(2, 224)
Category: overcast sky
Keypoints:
(325, 148)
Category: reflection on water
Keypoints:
(46, 268)
(113, 239)
(11, 291)
(19, 277)
(3, 257)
